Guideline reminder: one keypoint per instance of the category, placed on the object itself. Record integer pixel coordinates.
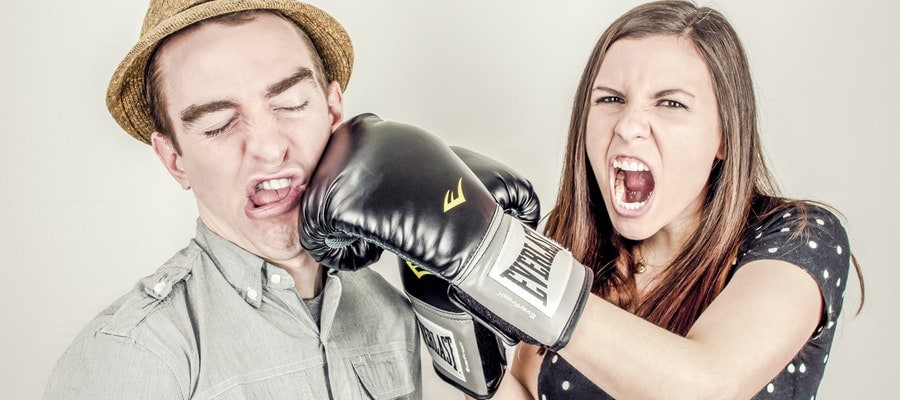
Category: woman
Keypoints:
(708, 283)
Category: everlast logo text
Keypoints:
(441, 346)
(531, 270)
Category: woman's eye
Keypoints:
(671, 103)
(609, 99)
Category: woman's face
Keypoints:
(653, 133)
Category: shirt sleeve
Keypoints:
(98, 366)
(813, 239)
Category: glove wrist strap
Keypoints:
(528, 282)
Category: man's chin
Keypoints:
(281, 255)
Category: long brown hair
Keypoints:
(741, 192)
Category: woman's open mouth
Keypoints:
(633, 184)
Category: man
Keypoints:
(238, 99)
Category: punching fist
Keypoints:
(465, 353)
(394, 186)
(512, 192)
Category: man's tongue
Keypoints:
(268, 196)
(638, 186)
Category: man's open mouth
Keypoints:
(271, 191)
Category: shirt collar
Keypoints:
(241, 268)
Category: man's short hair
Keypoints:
(153, 78)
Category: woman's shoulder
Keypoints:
(806, 234)
(802, 217)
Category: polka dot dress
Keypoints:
(815, 241)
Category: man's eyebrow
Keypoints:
(287, 83)
(194, 112)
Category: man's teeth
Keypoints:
(630, 166)
(274, 184)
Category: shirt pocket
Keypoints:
(386, 372)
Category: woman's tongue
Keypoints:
(638, 186)
(264, 197)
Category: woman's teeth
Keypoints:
(620, 194)
(630, 166)
(632, 191)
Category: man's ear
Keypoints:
(335, 104)
(170, 158)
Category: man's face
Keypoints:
(251, 122)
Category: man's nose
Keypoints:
(267, 142)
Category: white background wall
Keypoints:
(86, 210)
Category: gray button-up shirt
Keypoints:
(217, 322)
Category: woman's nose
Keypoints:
(633, 124)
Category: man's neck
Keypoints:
(307, 274)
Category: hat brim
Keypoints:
(125, 94)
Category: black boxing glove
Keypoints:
(512, 191)
(394, 186)
(465, 353)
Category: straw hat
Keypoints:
(125, 95)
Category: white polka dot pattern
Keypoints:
(812, 239)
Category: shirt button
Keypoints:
(276, 279)
(251, 294)
(159, 287)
